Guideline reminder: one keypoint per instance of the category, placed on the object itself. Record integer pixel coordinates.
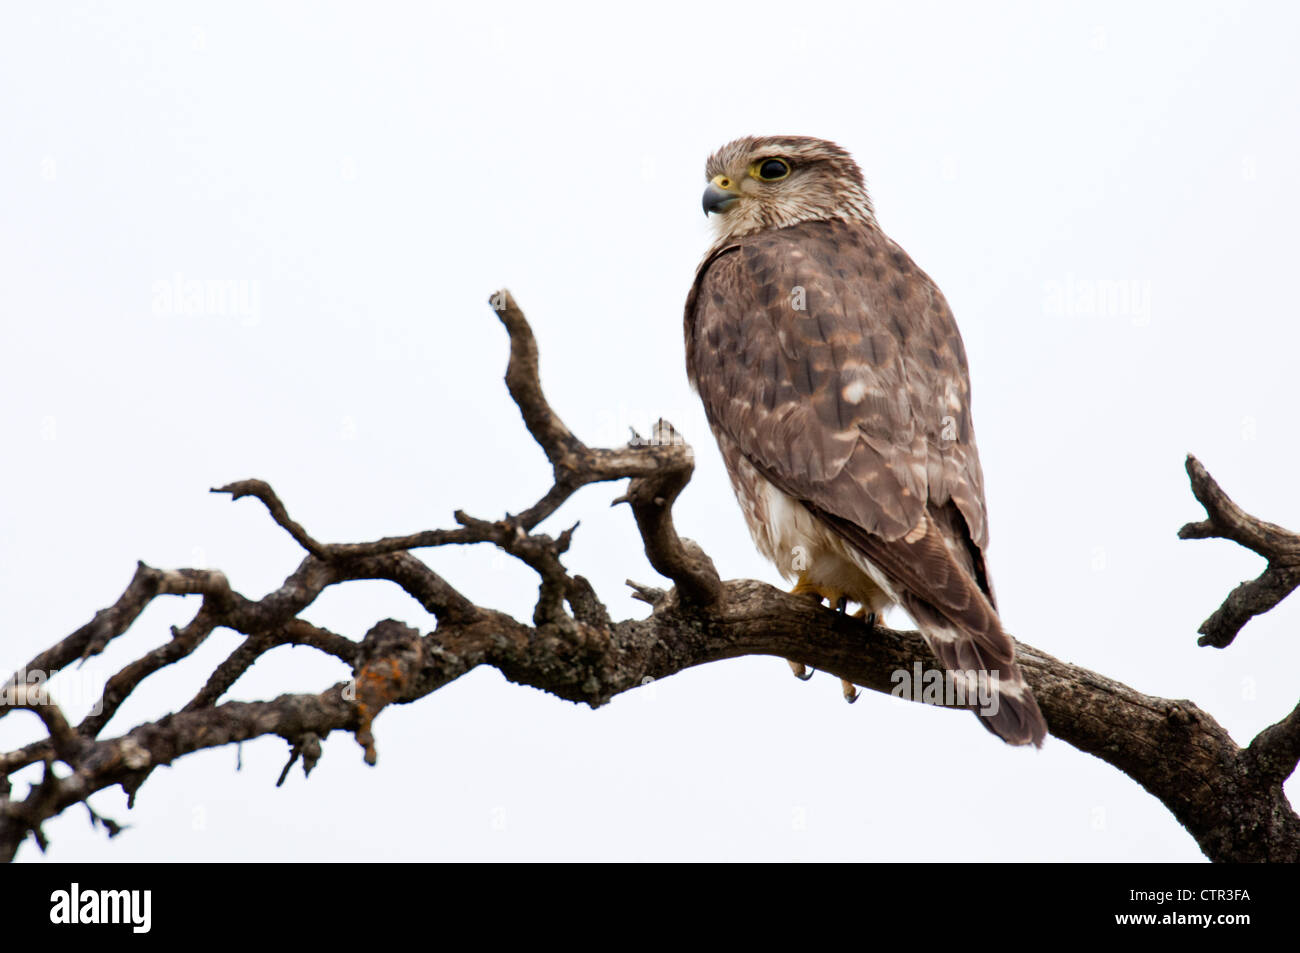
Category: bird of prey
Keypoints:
(835, 382)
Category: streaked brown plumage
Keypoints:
(834, 379)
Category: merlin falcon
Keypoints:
(835, 382)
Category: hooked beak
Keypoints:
(720, 195)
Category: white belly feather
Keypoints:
(800, 545)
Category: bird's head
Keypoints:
(777, 181)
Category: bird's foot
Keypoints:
(867, 616)
(850, 690)
(840, 602)
(806, 587)
(801, 671)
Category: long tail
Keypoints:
(1001, 698)
(938, 582)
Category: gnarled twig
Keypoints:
(1230, 799)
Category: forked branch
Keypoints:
(1230, 799)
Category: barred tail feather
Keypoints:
(1011, 711)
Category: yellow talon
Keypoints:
(801, 671)
(872, 619)
(804, 587)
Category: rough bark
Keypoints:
(1229, 798)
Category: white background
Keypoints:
(370, 173)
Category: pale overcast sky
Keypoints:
(367, 174)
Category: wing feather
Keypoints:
(835, 365)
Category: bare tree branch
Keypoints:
(1229, 521)
(1229, 799)
(1276, 749)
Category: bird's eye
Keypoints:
(769, 170)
